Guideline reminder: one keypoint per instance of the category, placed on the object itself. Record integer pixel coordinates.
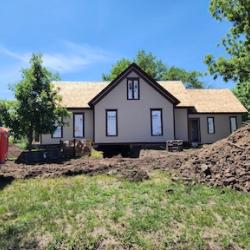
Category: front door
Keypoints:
(194, 129)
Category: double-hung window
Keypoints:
(156, 122)
(233, 123)
(111, 122)
(133, 89)
(210, 125)
(78, 125)
(58, 133)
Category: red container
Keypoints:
(4, 144)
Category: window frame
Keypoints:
(133, 79)
(59, 137)
(116, 126)
(151, 120)
(83, 128)
(211, 117)
(236, 123)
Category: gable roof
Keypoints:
(78, 95)
(135, 68)
(86, 94)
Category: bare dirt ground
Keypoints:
(224, 163)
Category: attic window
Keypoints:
(133, 89)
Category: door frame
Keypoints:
(199, 129)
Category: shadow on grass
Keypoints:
(5, 180)
(14, 236)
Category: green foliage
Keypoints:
(236, 67)
(96, 154)
(105, 212)
(156, 69)
(190, 78)
(242, 91)
(150, 64)
(37, 107)
(9, 116)
(22, 143)
(116, 70)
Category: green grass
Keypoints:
(86, 212)
(21, 143)
(96, 154)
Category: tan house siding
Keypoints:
(181, 125)
(134, 124)
(221, 123)
(68, 128)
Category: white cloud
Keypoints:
(19, 57)
(75, 57)
(64, 63)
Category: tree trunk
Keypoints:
(30, 139)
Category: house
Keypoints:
(136, 109)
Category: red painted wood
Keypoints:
(4, 144)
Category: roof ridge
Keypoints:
(208, 89)
(59, 81)
(78, 81)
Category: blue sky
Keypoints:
(81, 39)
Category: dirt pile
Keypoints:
(224, 163)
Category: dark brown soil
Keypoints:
(132, 169)
(224, 163)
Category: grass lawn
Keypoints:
(86, 212)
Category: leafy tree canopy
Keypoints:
(236, 41)
(8, 115)
(156, 69)
(242, 91)
(37, 107)
(236, 67)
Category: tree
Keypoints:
(116, 69)
(236, 42)
(8, 116)
(156, 69)
(37, 108)
(191, 79)
(242, 91)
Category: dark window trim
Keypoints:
(94, 124)
(174, 121)
(116, 132)
(212, 117)
(151, 121)
(83, 127)
(235, 122)
(59, 137)
(132, 79)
